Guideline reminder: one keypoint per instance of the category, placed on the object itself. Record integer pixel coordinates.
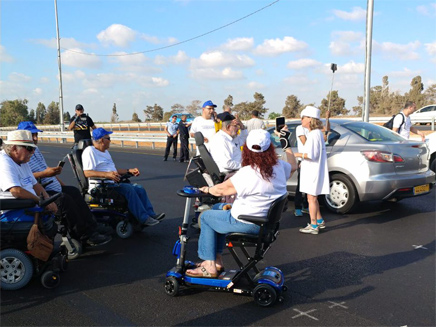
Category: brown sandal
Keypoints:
(219, 268)
(200, 272)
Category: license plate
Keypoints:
(421, 189)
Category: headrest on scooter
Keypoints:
(191, 190)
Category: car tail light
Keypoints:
(378, 156)
(398, 158)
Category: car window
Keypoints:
(332, 137)
(373, 133)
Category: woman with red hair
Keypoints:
(260, 181)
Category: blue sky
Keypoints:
(283, 49)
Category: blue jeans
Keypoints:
(137, 200)
(215, 224)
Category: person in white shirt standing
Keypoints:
(255, 122)
(225, 147)
(314, 169)
(205, 123)
(300, 199)
(402, 123)
(172, 130)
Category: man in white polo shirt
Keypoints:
(205, 123)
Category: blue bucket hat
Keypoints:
(28, 126)
(209, 103)
(98, 133)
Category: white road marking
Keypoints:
(336, 304)
(301, 313)
(419, 247)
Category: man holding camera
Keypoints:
(81, 124)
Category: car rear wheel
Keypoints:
(343, 196)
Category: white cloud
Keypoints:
(75, 58)
(66, 43)
(159, 81)
(107, 80)
(431, 48)
(255, 86)
(303, 63)
(128, 60)
(351, 68)
(156, 40)
(216, 74)
(118, 35)
(4, 56)
(77, 75)
(400, 51)
(274, 47)
(429, 10)
(238, 44)
(406, 72)
(179, 58)
(220, 59)
(18, 77)
(346, 43)
(357, 14)
(37, 91)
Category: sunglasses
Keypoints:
(29, 148)
(107, 138)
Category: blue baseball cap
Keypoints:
(98, 133)
(209, 103)
(28, 126)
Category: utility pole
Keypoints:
(366, 91)
(61, 97)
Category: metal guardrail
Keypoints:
(137, 138)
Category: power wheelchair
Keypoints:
(18, 266)
(109, 207)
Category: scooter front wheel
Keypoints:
(172, 286)
(124, 229)
(265, 295)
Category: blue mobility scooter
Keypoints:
(17, 265)
(109, 207)
(266, 286)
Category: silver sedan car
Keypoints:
(367, 162)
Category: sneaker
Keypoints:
(322, 225)
(98, 239)
(158, 216)
(309, 230)
(305, 210)
(150, 222)
(298, 213)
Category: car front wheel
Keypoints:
(343, 196)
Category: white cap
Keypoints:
(311, 111)
(258, 137)
(20, 137)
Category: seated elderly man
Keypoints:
(16, 179)
(225, 147)
(97, 162)
(71, 203)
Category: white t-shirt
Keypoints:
(254, 194)
(405, 128)
(93, 159)
(255, 123)
(301, 131)
(13, 175)
(226, 151)
(314, 174)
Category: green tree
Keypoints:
(153, 113)
(177, 108)
(292, 107)
(337, 105)
(114, 116)
(244, 109)
(228, 102)
(430, 95)
(273, 115)
(67, 117)
(415, 93)
(52, 116)
(40, 113)
(166, 116)
(135, 118)
(194, 108)
(13, 112)
(31, 116)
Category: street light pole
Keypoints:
(61, 97)
(366, 91)
(333, 67)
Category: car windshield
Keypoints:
(373, 133)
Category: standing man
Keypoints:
(184, 127)
(402, 123)
(172, 130)
(255, 122)
(205, 123)
(81, 124)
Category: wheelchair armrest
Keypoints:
(253, 219)
(10, 204)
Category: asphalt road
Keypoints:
(373, 267)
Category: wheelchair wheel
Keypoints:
(64, 262)
(172, 286)
(264, 295)
(76, 251)
(16, 269)
(124, 229)
(50, 279)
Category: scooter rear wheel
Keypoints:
(265, 295)
(16, 269)
(172, 286)
(124, 229)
